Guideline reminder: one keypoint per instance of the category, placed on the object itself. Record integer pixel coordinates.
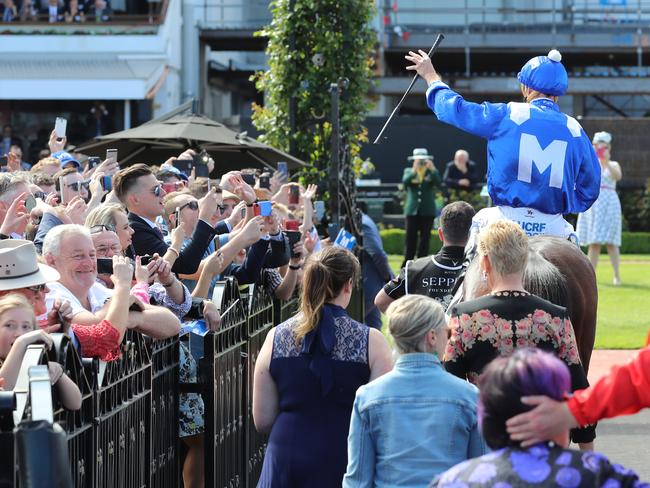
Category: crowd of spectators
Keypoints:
(95, 248)
(73, 11)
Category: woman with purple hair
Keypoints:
(546, 464)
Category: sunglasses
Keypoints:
(79, 184)
(37, 288)
(193, 205)
(96, 229)
(157, 190)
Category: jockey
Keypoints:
(541, 164)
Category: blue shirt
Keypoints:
(538, 157)
(410, 425)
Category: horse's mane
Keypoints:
(541, 278)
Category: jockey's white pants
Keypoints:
(532, 221)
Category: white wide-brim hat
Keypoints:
(19, 266)
(602, 136)
(420, 153)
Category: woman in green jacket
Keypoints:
(420, 182)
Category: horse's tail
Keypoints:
(544, 279)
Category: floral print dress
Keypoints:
(494, 325)
(542, 466)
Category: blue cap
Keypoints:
(545, 74)
(173, 171)
(65, 158)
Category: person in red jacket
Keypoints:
(624, 391)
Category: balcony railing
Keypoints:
(29, 15)
(498, 16)
(236, 14)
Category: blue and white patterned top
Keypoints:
(541, 466)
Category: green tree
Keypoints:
(313, 43)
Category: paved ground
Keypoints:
(624, 439)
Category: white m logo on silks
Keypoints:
(530, 152)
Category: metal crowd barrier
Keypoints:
(122, 406)
(165, 459)
(126, 433)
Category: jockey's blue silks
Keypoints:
(538, 157)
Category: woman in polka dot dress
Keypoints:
(601, 224)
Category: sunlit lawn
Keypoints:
(623, 311)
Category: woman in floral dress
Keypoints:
(509, 317)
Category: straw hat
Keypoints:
(19, 266)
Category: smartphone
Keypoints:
(94, 161)
(3, 161)
(201, 171)
(107, 182)
(319, 209)
(111, 154)
(145, 260)
(61, 190)
(249, 178)
(293, 237)
(283, 168)
(177, 217)
(105, 266)
(30, 203)
(184, 165)
(265, 181)
(60, 126)
(294, 195)
(292, 224)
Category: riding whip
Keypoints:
(408, 90)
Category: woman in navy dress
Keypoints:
(307, 374)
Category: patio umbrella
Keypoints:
(158, 140)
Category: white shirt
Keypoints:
(97, 296)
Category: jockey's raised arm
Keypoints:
(541, 164)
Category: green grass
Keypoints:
(623, 311)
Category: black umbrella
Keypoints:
(158, 140)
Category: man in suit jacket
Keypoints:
(142, 194)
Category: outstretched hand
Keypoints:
(422, 65)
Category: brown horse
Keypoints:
(559, 272)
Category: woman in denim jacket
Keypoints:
(417, 420)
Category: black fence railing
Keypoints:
(126, 432)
